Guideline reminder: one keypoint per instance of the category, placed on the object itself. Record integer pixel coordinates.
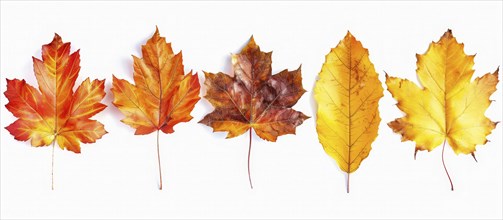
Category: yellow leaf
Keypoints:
(347, 93)
(449, 107)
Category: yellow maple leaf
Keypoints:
(449, 108)
(347, 93)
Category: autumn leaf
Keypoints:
(162, 96)
(56, 113)
(254, 98)
(449, 107)
(347, 93)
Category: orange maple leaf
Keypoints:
(163, 95)
(56, 112)
(254, 98)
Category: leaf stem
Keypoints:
(445, 168)
(159, 162)
(347, 189)
(52, 165)
(249, 152)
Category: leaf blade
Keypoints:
(445, 72)
(162, 96)
(253, 98)
(44, 114)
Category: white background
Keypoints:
(204, 173)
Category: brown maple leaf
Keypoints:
(254, 98)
